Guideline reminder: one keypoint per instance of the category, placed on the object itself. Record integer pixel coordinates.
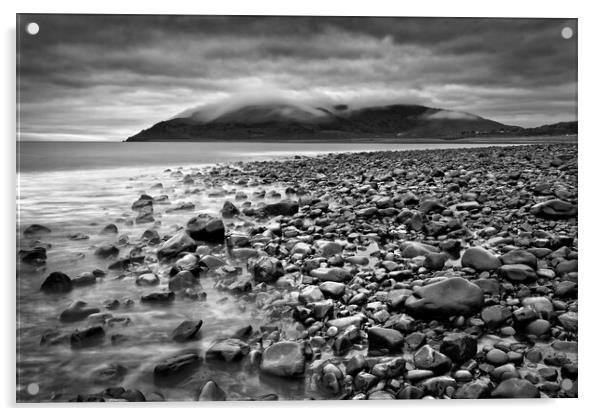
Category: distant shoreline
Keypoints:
(391, 140)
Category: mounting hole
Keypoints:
(567, 32)
(32, 28)
(33, 389)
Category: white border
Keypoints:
(590, 153)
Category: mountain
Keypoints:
(287, 120)
(558, 129)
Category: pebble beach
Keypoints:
(448, 273)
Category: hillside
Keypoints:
(296, 121)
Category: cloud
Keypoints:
(107, 77)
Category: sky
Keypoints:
(106, 77)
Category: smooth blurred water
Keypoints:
(84, 201)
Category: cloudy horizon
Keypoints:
(106, 77)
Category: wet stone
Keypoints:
(283, 359)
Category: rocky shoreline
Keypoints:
(418, 274)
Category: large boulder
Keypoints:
(56, 282)
(284, 207)
(209, 230)
(177, 244)
(448, 297)
(515, 388)
(284, 359)
(265, 269)
(554, 209)
(480, 259)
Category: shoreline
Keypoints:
(348, 261)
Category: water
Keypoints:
(80, 188)
(61, 156)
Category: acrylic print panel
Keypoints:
(289, 208)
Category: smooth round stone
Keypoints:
(463, 375)
(507, 331)
(381, 395)
(497, 357)
(332, 331)
(538, 328)
(358, 260)
(515, 357)
(504, 372)
(416, 375)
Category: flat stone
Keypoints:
(186, 331)
(448, 297)
(517, 273)
(173, 366)
(554, 209)
(332, 274)
(519, 256)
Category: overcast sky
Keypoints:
(87, 77)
